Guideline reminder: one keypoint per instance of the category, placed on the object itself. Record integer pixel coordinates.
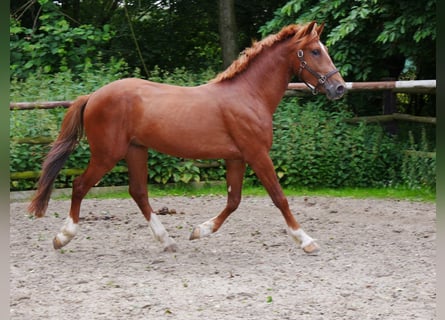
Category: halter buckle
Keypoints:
(322, 79)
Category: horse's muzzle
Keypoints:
(335, 90)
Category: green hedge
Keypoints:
(317, 148)
(313, 145)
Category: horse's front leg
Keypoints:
(234, 176)
(263, 167)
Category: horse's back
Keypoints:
(181, 121)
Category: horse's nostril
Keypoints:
(340, 89)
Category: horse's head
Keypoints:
(314, 65)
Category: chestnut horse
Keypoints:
(228, 118)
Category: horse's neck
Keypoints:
(269, 75)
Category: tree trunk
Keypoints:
(227, 31)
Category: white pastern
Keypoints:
(300, 237)
(160, 233)
(67, 232)
(206, 228)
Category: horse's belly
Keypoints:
(193, 145)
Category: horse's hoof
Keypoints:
(171, 248)
(56, 243)
(312, 248)
(196, 234)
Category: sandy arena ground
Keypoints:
(377, 261)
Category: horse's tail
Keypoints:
(70, 134)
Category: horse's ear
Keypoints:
(320, 29)
(310, 27)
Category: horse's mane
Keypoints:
(249, 54)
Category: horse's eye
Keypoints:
(315, 52)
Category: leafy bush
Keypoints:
(54, 46)
(314, 148)
(418, 164)
(66, 85)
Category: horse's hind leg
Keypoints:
(136, 159)
(234, 176)
(81, 185)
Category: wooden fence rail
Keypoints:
(392, 117)
(411, 86)
(293, 89)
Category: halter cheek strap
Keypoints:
(320, 78)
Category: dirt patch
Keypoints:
(377, 261)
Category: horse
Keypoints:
(229, 117)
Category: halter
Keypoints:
(320, 78)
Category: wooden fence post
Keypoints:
(390, 107)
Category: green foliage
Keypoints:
(55, 45)
(317, 148)
(67, 85)
(418, 164)
(181, 76)
(169, 34)
(164, 169)
(368, 38)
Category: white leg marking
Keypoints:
(300, 237)
(203, 230)
(160, 233)
(206, 228)
(67, 232)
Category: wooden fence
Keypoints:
(294, 89)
